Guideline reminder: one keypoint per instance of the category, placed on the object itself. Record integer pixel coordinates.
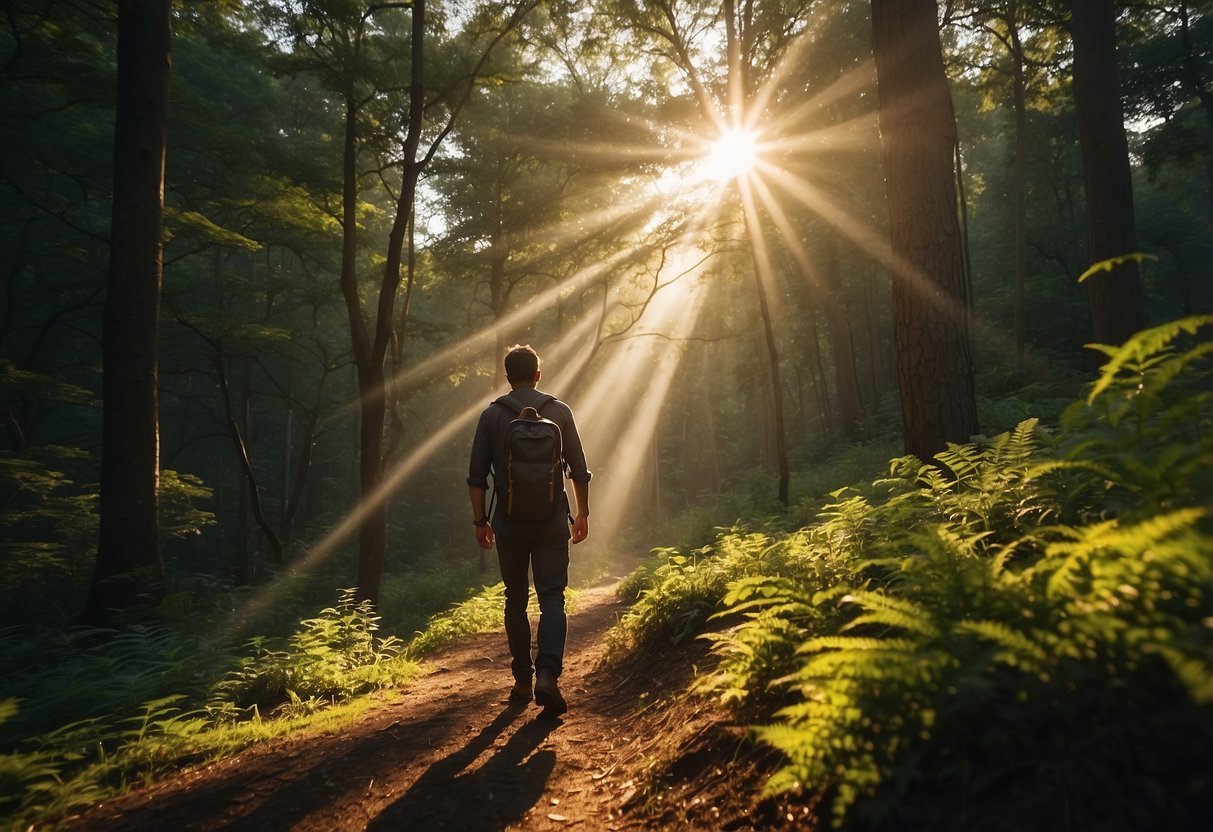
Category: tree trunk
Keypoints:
(875, 365)
(821, 390)
(297, 488)
(372, 526)
(708, 406)
(762, 280)
(846, 383)
(1019, 98)
(370, 345)
(1115, 296)
(129, 569)
(497, 302)
(918, 140)
(243, 558)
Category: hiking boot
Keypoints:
(521, 692)
(547, 695)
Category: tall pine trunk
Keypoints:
(1019, 97)
(918, 141)
(1115, 296)
(129, 570)
(764, 287)
(846, 382)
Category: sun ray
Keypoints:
(394, 478)
(758, 243)
(571, 349)
(435, 366)
(848, 86)
(626, 413)
(594, 367)
(874, 243)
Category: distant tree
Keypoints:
(361, 52)
(57, 100)
(846, 381)
(1030, 36)
(1169, 46)
(930, 290)
(1115, 296)
(129, 569)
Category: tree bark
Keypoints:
(875, 365)
(1019, 98)
(762, 280)
(247, 568)
(1115, 296)
(846, 382)
(129, 570)
(373, 394)
(918, 140)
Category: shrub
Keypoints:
(334, 655)
(1013, 635)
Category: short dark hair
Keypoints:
(521, 364)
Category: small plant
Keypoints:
(480, 613)
(677, 593)
(332, 656)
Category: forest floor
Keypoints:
(450, 752)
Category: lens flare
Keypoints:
(731, 156)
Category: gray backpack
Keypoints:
(533, 487)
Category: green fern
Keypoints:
(1016, 632)
(1146, 351)
(889, 612)
(334, 655)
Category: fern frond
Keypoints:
(1194, 671)
(892, 618)
(962, 460)
(1014, 643)
(1050, 466)
(1022, 444)
(911, 616)
(819, 644)
(1169, 367)
(1113, 535)
(1147, 342)
(1112, 262)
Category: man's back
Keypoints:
(489, 454)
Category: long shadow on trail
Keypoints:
(490, 797)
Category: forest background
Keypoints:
(338, 198)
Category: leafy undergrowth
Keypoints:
(1018, 634)
(134, 732)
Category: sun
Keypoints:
(731, 156)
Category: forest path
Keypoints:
(447, 753)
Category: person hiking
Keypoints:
(527, 440)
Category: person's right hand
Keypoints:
(484, 536)
(581, 528)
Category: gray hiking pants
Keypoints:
(548, 559)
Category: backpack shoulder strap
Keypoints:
(509, 403)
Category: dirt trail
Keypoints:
(450, 753)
